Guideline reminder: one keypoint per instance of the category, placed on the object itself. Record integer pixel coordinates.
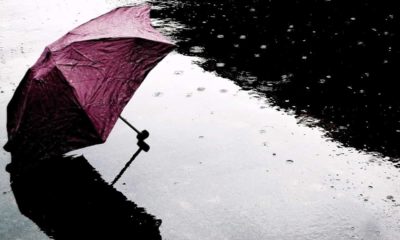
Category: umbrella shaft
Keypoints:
(128, 123)
(126, 166)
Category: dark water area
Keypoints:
(336, 61)
(68, 199)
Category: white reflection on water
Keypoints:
(223, 163)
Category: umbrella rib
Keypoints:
(113, 38)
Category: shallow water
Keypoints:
(225, 162)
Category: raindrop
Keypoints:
(289, 161)
(352, 18)
(286, 77)
(273, 154)
(265, 88)
(223, 90)
(158, 94)
(196, 49)
(220, 64)
(220, 36)
(200, 89)
(242, 37)
(390, 16)
(201, 137)
(304, 57)
(263, 46)
(389, 197)
(178, 72)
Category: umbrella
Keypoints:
(73, 95)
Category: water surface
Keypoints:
(228, 158)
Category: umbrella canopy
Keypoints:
(72, 96)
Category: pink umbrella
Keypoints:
(73, 95)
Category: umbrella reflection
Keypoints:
(68, 199)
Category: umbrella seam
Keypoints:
(113, 38)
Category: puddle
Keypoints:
(215, 169)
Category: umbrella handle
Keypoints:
(140, 135)
(129, 124)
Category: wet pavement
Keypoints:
(258, 130)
